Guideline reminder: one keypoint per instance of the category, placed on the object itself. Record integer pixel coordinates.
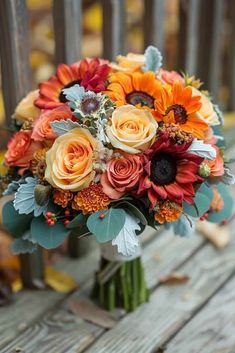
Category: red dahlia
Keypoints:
(91, 74)
(170, 172)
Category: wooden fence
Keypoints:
(201, 49)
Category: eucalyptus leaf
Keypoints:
(133, 210)
(23, 246)
(106, 228)
(226, 212)
(79, 220)
(60, 127)
(16, 224)
(184, 226)
(202, 202)
(46, 236)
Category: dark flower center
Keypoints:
(89, 104)
(180, 113)
(163, 169)
(142, 98)
(62, 97)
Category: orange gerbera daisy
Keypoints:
(138, 89)
(178, 106)
(91, 74)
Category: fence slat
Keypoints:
(68, 30)
(14, 51)
(154, 15)
(114, 26)
(231, 71)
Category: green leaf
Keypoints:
(79, 220)
(23, 246)
(107, 228)
(16, 224)
(226, 212)
(201, 205)
(49, 237)
(207, 191)
(133, 210)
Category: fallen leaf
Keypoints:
(59, 281)
(88, 311)
(218, 235)
(174, 278)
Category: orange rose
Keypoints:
(129, 63)
(122, 175)
(131, 130)
(26, 109)
(21, 149)
(70, 160)
(217, 164)
(170, 77)
(42, 129)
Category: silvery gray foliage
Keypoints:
(23, 246)
(184, 226)
(60, 127)
(219, 113)
(153, 59)
(228, 178)
(127, 240)
(201, 149)
(24, 201)
(13, 186)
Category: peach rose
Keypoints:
(170, 77)
(122, 175)
(217, 164)
(129, 63)
(131, 130)
(206, 112)
(21, 149)
(26, 108)
(42, 129)
(70, 160)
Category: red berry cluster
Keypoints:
(52, 218)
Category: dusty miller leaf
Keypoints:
(60, 127)
(23, 246)
(153, 59)
(24, 201)
(127, 240)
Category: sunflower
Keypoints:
(170, 172)
(138, 89)
(91, 74)
(177, 105)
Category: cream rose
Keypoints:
(131, 130)
(129, 63)
(70, 160)
(26, 108)
(207, 112)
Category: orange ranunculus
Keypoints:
(129, 63)
(206, 112)
(122, 175)
(70, 160)
(21, 149)
(131, 130)
(217, 164)
(42, 129)
(26, 109)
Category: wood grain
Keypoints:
(14, 51)
(212, 329)
(153, 23)
(170, 308)
(67, 15)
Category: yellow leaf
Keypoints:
(16, 285)
(59, 281)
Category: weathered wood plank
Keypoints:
(212, 329)
(114, 24)
(231, 71)
(67, 16)
(14, 51)
(170, 308)
(154, 15)
(159, 258)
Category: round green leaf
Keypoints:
(46, 236)
(16, 224)
(226, 212)
(134, 210)
(107, 228)
(201, 205)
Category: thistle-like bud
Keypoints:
(204, 170)
(42, 194)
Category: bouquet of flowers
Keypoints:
(107, 148)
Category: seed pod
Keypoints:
(42, 194)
